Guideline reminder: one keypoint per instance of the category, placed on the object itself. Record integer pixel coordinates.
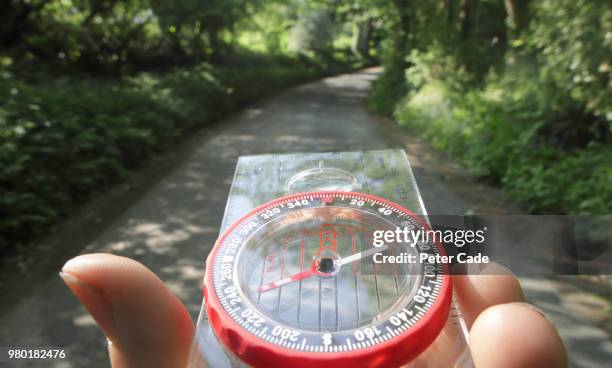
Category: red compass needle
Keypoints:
(314, 271)
(287, 280)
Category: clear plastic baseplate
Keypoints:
(385, 173)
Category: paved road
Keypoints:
(171, 226)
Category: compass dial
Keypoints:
(295, 282)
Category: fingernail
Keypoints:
(94, 300)
(535, 309)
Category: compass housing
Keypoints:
(388, 333)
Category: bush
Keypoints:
(387, 90)
(63, 139)
(572, 40)
(575, 182)
(496, 132)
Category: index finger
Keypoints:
(494, 285)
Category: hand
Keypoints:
(147, 326)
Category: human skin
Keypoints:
(148, 326)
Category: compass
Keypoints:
(294, 283)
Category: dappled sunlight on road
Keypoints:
(587, 345)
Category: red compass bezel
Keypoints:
(391, 353)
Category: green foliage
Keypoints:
(90, 89)
(496, 132)
(527, 107)
(387, 90)
(573, 40)
(60, 140)
(575, 182)
(63, 139)
(118, 37)
(98, 36)
(313, 32)
(266, 31)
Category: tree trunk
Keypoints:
(518, 14)
(361, 39)
(404, 28)
(466, 18)
(450, 12)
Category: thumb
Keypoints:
(145, 323)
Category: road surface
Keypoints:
(171, 225)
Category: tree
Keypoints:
(17, 19)
(195, 26)
(314, 32)
(518, 14)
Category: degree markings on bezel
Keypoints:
(237, 239)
